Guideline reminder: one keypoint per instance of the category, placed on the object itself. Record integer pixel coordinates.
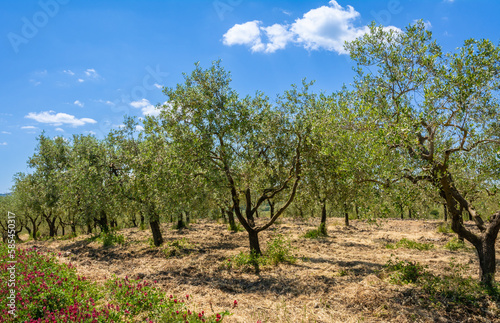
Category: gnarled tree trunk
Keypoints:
(155, 230)
(230, 217)
(51, 223)
(253, 236)
(346, 215)
(483, 242)
(103, 221)
(322, 225)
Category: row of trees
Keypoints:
(416, 125)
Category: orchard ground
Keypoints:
(339, 278)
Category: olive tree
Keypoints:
(439, 113)
(50, 162)
(255, 146)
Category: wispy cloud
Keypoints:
(59, 129)
(3, 143)
(158, 86)
(57, 119)
(86, 75)
(326, 27)
(79, 103)
(6, 133)
(29, 127)
(91, 73)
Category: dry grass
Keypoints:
(336, 279)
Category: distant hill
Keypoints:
(5, 194)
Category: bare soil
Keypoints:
(335, 279)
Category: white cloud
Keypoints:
(139, 128)
(78, 103)
(278, 36)
(69, 72)
(7, 133)
(81, 80)
(146, 107)
(158, 86)
(29, 127)
(57, 119)
(35, 82)
(245, 34)
(326, 27)
(59, 129)
(3, 143)
(91, 73)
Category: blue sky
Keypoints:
(73, 66)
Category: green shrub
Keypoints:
(316, 233)
(236, 228)
(456, 287)
(409, 244)
(110, 238)
(453, 289)
(245, 261)
(455, 244)
(279, 250)
(444, 228)
(404, 272)
(178, 247)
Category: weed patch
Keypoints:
(455, 244)
(452, 290)
(279, 250)
(178, 248)
(404, 272)
(444, 228)
(316, 233)
(108, 239)
(409, 244)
